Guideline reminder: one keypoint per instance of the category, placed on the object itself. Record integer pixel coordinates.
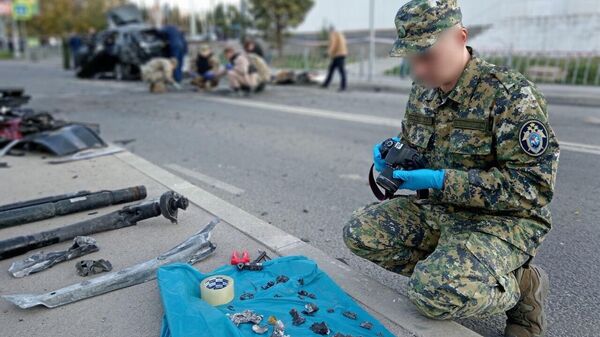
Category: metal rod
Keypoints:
(167, 205)
(44, 208)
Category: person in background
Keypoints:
(75, 43)
(337, 52)
(206, 69)
(253, 47)
(242, 76)
(177, 48)
(158, 72)
(257, 60)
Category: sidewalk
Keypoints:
(137, 310)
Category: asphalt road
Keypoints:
(298, 158)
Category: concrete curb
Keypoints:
(552, 95)
(383, 300)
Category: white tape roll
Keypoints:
(217, 289)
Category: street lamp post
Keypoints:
(193, 27)
(371, 39)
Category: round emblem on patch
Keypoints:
(533, 138)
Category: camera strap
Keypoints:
(375, 189)
(385, 195)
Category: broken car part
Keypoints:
(310, 309)
(246, 296)
(366, 325)
(92, 267)
(297, 319)
(268, 285)
(247, 316)
(67, 140)
(320, 328)
(12, 97)
(260, 329)
(82, 245)
(304, 293)
(45, 208)
(282, 279)
(197, 247)
(88, 154)
(350, 314)
(167, 205)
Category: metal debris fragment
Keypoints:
(310, 309)
(246, 296)
(246, 316)
(320, 328)
(350, 314)
(304, 293)
(37, 262)
(268, 285)
(88, 154)
(282, 279)
(297, 319)
(92, 267)
(197, 247)
(260, 329)
(367, 325)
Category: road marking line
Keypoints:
(342, 116)
(206, 179)
(351, 176)
(582, 148)
(361, 118)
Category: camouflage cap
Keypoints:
(420, 22)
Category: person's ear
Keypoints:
(464, 35)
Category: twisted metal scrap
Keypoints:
(40, 261)
(197, 247)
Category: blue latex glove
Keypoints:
(377, 160)
(421, 179)
(209, 75)
(229, 66)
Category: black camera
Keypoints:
(397, 156)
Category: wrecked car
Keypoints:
(121, 50)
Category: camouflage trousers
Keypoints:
(455, 271)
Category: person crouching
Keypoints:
(207, 69)
(158, 72)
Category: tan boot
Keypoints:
(527, 318)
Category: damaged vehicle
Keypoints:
(121, 49)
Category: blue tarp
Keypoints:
(186, 315)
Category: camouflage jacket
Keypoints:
(491, 135)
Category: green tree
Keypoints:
(228, 21)
(61, 17)
(275, 17)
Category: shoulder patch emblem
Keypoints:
(533, 138)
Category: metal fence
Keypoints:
(570, 68)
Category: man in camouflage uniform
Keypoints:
(158, 72)
(492, 160)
